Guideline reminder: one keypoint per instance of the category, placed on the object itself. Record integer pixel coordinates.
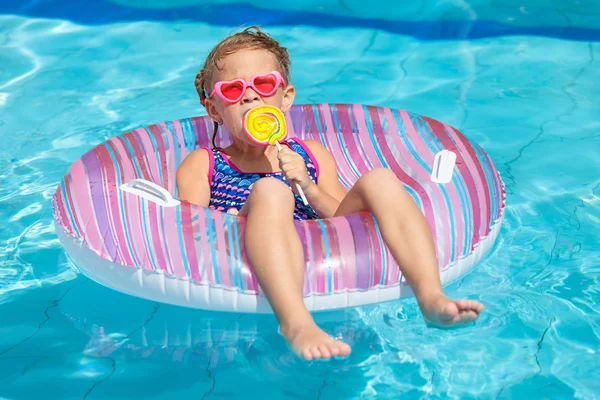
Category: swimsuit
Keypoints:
(230, 187)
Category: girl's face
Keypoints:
(246, 64)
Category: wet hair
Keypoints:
(251, 38)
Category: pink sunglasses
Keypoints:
(232, 91)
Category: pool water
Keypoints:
(522, 80)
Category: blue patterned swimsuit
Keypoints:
(230, 187)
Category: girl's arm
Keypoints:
(326, 196)
(192, 178)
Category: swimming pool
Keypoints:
(523, 81)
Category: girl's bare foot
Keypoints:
(311, 343)
(442, 311)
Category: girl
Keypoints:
(250, 69)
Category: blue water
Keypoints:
(523, 80)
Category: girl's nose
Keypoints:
(250, 96)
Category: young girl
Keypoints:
(250, 69)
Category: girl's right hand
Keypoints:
(294, 168)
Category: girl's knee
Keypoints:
(378, 179)
(270, 192)
(382, 185)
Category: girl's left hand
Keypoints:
(293, 166)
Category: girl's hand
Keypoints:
(293, 166)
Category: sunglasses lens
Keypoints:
(265, 84)
(232, 90)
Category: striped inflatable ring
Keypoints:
(137, 238)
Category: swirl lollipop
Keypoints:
(265, 125)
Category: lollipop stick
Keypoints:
(300, 191)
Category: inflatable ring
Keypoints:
(118, 218)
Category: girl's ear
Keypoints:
(289, 93)
(212, 111)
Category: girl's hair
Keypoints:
(251, 38)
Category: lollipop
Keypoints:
(265, 125)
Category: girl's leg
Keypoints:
(277, 258)
(408, 236)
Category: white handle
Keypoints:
(150, 191)
(443, 166)
(298, 188)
